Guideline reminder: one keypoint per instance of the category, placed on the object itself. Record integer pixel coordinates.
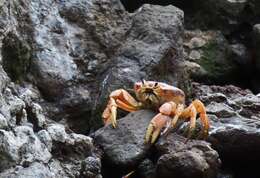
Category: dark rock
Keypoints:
(147, 169)
(91, 167)
(124, 146)
(194, 159)
(256, 37)
(214, 57)
(16, 57)
(152, 50)
(240, 54)
(239, 133)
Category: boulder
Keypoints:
(235, 131)
(192, 159)
(124, 147)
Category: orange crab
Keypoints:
(157, 95)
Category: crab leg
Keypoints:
(160, 120)
(196, 107)
(122, 99)
(203, 116)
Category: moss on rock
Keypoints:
(16, 57)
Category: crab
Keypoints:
(167, 99)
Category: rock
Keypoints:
(31, 147)
(194, 159)
(234, 135)
(124, 146)
(57, 133)
(256, 37)
(212, 53)
(3, 122)
(194, 55)
(240, 54)
(3, 78)
(227, 15)
(36, 116)
(196, 42)
(157, 31)
(147, 169)
(34, 170)
(220, 110)
(9, 150)
(91, 167)
(45, 138)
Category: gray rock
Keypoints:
(240, 54)
(212, 52)
(57, 133)
(194, 55)
(3, 122)
(32, 171)
(147, 169)
(38, 118)
(151, 50)
(124, 146)
(9, 150)
(194, 159)
(31, 148)
(45, 138)
(220, 110)
(239, 133)
(91, 167)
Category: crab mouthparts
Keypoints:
(149, 91)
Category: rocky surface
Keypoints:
(235, 120)
(59, 60)
(124, 147)
(192, 159)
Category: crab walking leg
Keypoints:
(178, 113)
(159, 121)
(122, 99)
(155, 126)
(200, 108)
(190, 113)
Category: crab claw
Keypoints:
(155, 127)
(109, 115)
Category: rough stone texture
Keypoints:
(234, 121)
(59, 60)
(211, 57)
(194, 159)
(152, 50)
(256, 30)
(75, 52)
(124, 146)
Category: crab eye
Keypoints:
(156, 84)
(143, 82)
